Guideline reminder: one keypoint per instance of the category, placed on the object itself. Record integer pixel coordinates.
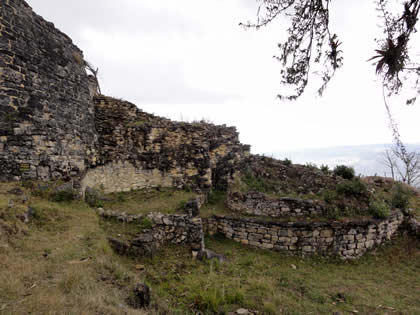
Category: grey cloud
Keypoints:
(152, 81)
(111, 15)
(159, 83)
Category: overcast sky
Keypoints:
(189, 59)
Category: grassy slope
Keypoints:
(383, 282)
(62, 263)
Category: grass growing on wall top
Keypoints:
(165, 200)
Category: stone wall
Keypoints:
(140, 150)
(257, 203)
(46, 117)
(166, 228)
(348, 240)
(54, 125)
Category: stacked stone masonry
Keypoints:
(166, 228)
(54, 125)
(257, 203)
(348, 240)
(139, 150)
(46, 117)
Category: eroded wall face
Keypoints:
(46, 117)
(138, 150)
(53, 125)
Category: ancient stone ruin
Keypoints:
(47, 127)
(55, 125)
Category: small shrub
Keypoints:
(187, 188)
(94, 198)
(312, 166)
(353, 188)
(329, 196)
(121, 197)
(28, 184)
(63, 196)
(287, 162)
(182, 205)
(145, 224)
(255, 183)
(215, 197)
(332, 213)
(379, 209)
(236, 297)
(270, 309)
(344, 171)
(325, 169)
(400, 197)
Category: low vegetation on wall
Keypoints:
(273, 188)
(140, 150)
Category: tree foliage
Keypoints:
(311, 42)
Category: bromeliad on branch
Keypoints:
(310, 42)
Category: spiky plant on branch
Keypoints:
(393, 60)
(311, 42)
(308, 35)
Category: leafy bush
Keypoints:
(145, 223)
(121, 197)
(325, 169)
(312, 166)
(215, 197)
(93, 197)
(255, 183)
(344, 171)
(182, 205)
(287, 162)
(63, 196)
(28, 184)
(400, 197)
(187, 188)
(329, 196)
(332, 213)
(353, 188)
(379, 209)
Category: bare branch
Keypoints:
(94, 72)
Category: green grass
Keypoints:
(122, 230)
(215, 205)
(165, 200)
(266, 282)
(61, 263)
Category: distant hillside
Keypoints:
(363, 158)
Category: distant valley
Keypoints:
(364, 158)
